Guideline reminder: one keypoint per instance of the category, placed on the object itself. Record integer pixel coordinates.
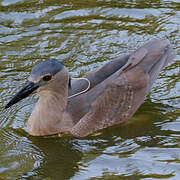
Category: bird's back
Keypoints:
(138, 71)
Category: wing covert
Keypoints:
(116, 104)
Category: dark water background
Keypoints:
(85, 34)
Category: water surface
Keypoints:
(84, 35)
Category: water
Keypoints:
(84, 35)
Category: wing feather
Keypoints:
(116, 104)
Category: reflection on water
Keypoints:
(84, 35)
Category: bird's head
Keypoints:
(43, 76)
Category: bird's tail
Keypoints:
(152, 58)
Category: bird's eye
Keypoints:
(47, 77)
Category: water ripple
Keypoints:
(84, 35)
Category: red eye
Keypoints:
(47, 77)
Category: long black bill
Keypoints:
(23, 93)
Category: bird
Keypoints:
(105, 96)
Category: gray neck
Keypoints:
(49, 115)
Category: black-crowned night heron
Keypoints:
(114, 93)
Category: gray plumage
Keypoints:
(116, 91)
(46, 67)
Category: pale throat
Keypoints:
(49, 115)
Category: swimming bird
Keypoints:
(106, 96)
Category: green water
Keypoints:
(83, 35)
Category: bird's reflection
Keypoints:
(61, 155)
(59, 158)
(143, 122)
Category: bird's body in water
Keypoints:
(115, 92)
